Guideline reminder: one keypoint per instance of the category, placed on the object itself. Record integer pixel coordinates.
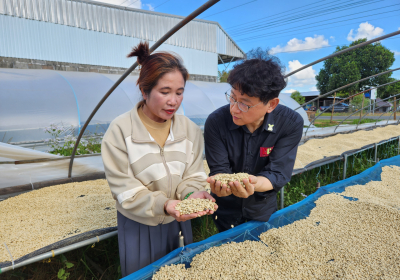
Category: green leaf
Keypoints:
(60, 274)
(69, 265)
(63, 258)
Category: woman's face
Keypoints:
(165, 98)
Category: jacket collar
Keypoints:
(268, 124)
(140, 133)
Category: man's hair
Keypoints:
(261, 76)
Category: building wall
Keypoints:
(24, 63)
(46, 41)
(146, 25)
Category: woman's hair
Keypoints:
(154, 66)
(260, 77)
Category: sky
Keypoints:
(297, 32)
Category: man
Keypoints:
(252, 134)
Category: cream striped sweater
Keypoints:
(142, 175)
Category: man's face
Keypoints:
(254, 114)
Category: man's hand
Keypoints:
(216, 188)
(239, 191)
(204, 195)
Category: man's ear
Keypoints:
(272, 104)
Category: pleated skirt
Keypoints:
(140, 245)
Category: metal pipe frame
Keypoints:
(333, 105)
(345, 86)
(177, 27)
(359, 111)
(378, 107)
(379, 116)
(60, 251)
(345, 166)
(395, 110)
(398, 150)
(282, 198)
(344, 51)
(37, 160)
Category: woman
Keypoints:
(153, 159)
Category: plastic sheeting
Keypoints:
(60, 244)
(30, 173)
(13, 153)
(252, 230)
(33, 99)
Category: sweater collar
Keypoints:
(140, 133)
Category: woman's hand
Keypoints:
(216, 188)
(204, 195)
(169, 207)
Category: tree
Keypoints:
(356, 102)
(355, 65)
(223, 76)
(389, 90)
(298, 97)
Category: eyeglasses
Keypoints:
(242, 107)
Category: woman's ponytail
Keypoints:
(154, 66)
(142, 52)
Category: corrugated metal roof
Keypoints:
(310, 93)
(146, 25)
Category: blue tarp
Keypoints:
(251, 230)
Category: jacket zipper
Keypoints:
(165, 165)
(168, 174)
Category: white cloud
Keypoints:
(151, 7)
(365, 30)
(295, 45)
(289, 90)
(305, 77)
(137, 4)
(396, 52)
(314, 88)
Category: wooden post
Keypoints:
(362, 106)
(394, 108)
(333, 107)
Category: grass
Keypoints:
(102, 261)
(348, 113)
(304, 184)
(328, 123)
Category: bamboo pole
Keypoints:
(395, 108)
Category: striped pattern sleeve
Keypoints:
(130, 193)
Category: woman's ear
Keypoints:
(144, 95)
